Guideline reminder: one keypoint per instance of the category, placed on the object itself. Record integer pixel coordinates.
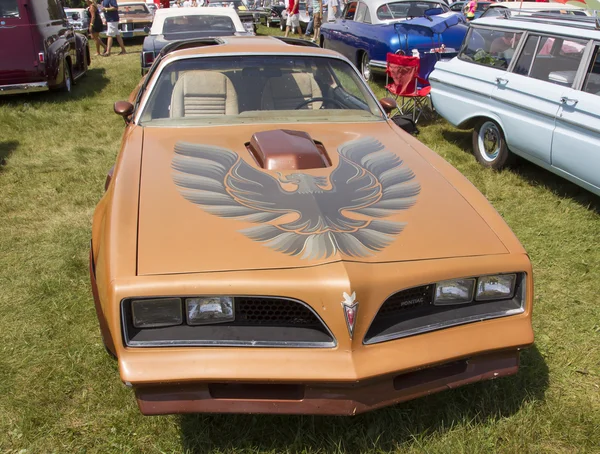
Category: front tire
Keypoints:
(365, 69)
(489, 145)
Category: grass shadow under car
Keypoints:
(532, 173)
(6, 148)
(380, 430)
(87, 86)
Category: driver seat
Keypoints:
(202, 93)
(287, 91)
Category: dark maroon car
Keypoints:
(38, 48)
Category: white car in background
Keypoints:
(498, 8)
(175, 24)
(528, 85)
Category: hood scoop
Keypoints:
(283, 149)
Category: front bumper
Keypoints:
(32, 87)
(322, 398)
(377, 66)
(125, 33)
(349, 378)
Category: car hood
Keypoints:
(206, 205)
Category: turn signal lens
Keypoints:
(496, 287)
(207, 310)
(154, 313)
(455, 291)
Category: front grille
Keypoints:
(411, 312)
(407, 300)
(274, 312)
(259, 322)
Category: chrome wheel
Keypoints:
(489, 141)
(365, 68)
(68, 81)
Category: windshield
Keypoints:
(9, 8)
(193, 23)
(133, 9)
(258, 89)
(404, 10)
(236, 4)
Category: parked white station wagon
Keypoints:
(528, 85)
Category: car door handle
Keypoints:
(501, 81)
(570, 101)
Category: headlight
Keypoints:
(205, 310)
(249, 26)
(454, 291)
(496, 287)
(154, 313)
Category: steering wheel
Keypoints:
(323, 99)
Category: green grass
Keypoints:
(60, 392)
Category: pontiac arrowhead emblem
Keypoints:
(350, 306)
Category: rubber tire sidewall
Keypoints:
(362, 72)
(504, 157)
(67, 88)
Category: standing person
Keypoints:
(187, 4)
(317, 19)
(332, 10)
(470, 9)
(293, 18)
(111, 14)
(95, 24)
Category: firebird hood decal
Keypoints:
(369, 181)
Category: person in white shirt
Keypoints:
(187, 4)
(332, 10)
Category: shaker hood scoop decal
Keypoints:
(369, 181)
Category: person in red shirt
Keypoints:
(293, 17)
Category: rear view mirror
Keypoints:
(124, 109)
(146, 29)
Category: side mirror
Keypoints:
(147, 29)
(388, 104)
(124, 109)
(109, 176)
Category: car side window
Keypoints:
(350, 11)
(493, 12)
(457, 7)
(360, 12)
(367, 18)
(55, 10)
(551, 59)
(592, 78)
(490, 47)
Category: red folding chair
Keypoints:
(404, 72)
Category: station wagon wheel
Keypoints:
(365, 69)
(489, 145)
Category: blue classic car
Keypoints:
(369, 29)
(528, 86)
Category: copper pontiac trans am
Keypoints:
(270, 242)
